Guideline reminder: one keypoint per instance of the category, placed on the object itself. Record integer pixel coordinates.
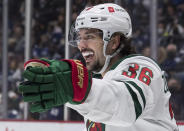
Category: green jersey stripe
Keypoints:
(139, 90)
(137, 105)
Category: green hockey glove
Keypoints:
(55, 84)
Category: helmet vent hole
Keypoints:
(102, 8)
(94, 20)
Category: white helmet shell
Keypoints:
(109, 18)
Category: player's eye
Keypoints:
(90, 37)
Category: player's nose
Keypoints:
(82, 45)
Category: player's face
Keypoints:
(91, 46)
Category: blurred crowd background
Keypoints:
(48, 40)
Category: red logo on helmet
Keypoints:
(111, 9)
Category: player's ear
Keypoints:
(115, 42)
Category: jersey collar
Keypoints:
(119, 61)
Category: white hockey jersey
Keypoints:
(132, 96)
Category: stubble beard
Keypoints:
(95, 66)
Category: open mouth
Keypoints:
(88, 56)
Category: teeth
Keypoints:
(87, 53)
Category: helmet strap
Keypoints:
(108, 57)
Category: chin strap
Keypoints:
(108, 57)
(107, 61)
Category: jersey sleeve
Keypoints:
(118, 99)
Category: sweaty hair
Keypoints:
(127, 48)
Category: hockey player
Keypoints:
(131, 95)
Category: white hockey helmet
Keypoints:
(109, 18)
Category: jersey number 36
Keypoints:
(144, 75)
